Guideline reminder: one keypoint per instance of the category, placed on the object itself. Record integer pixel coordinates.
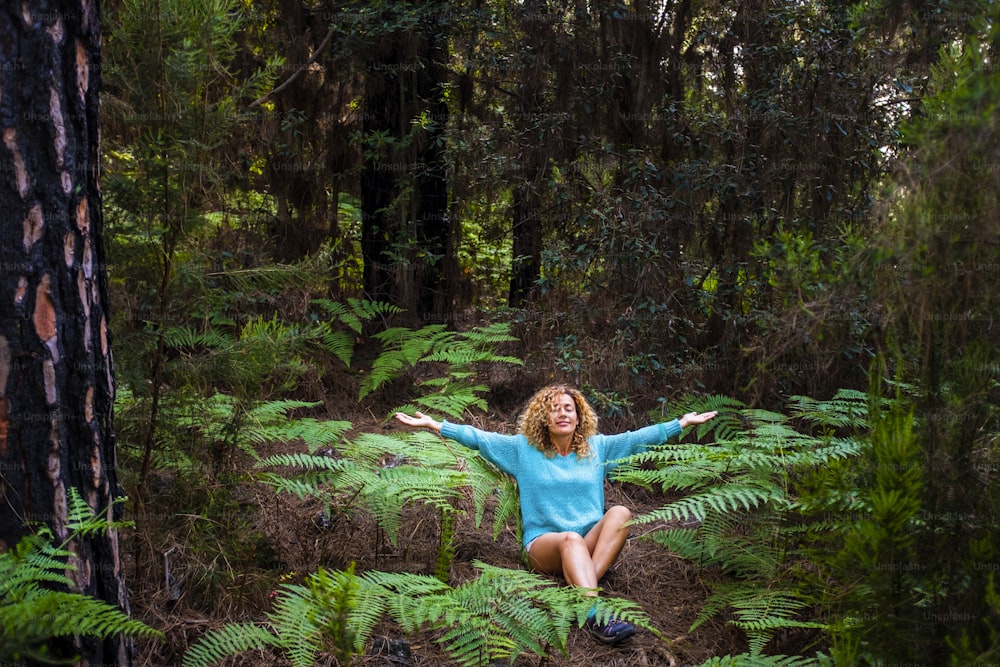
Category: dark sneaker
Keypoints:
(610, 633)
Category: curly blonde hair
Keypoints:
(534, 420)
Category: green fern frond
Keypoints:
(454, 403)
(216, 646)
(721, 499)
(356, 311)
(305, 461)
(759, 416)
(32, 611)
(270, 331)
(418, 447)
(33, 562)
(387, 494)
(681, 467)
(305, 619)
(352, 314)
(759, 613)
(301, 487)
(500, 615)
(848, 407)
(746, 491)
(186, 337)
(298, 620)
(458, 353)
(829, 451)
(339, 343)
(382, 473)
(61, 614)
(225, 418)
(270, 412)
(453, 391)
(497, 616)
(491, 335)
(270, 277)
(83, 521)
(683, 542)
(726, 424)
(402, 348)
(750, 660)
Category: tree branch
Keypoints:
(263, 98)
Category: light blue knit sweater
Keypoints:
(561, 493)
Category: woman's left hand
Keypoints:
(695, 418)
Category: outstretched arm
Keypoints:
(694, 418)
(419, 420)
(501, 450)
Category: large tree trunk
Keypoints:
(433, 224)
(526, 209)
(404, 188)
(56, 376)
(379, 220)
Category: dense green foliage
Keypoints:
(35, 603)
(384, 474)
(319, 210)
(498, 616)
(767, 488)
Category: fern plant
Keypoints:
(454, 391)
(352, 314)
(35, 603)
(746, 494)
(265, 351)
(383, 474)
(744, 660)
(497, 616)
(211, 430)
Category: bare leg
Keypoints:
(566, 554)
(606, 539)
(582, 560)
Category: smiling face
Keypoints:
(555, 416)
(563, 419)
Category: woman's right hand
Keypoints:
(419, 420)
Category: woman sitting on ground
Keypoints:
(560, 461)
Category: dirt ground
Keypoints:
(172, 587)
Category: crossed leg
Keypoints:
(582, 560)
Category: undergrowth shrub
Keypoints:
(382, 474)
(499, 615)
(36, 605)
(757, 508)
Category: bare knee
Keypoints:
(618, 515)
(570, 541)
(572, 546)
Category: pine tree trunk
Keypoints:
(404, 191)
(56, 375)
(526, 208)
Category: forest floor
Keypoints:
(291, 538)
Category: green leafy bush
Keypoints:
(497, 616)
(748, 497)
(36, 606)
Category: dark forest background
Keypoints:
(659, 201)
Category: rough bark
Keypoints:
(404, 189)
(56, 374)
(526, 209)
